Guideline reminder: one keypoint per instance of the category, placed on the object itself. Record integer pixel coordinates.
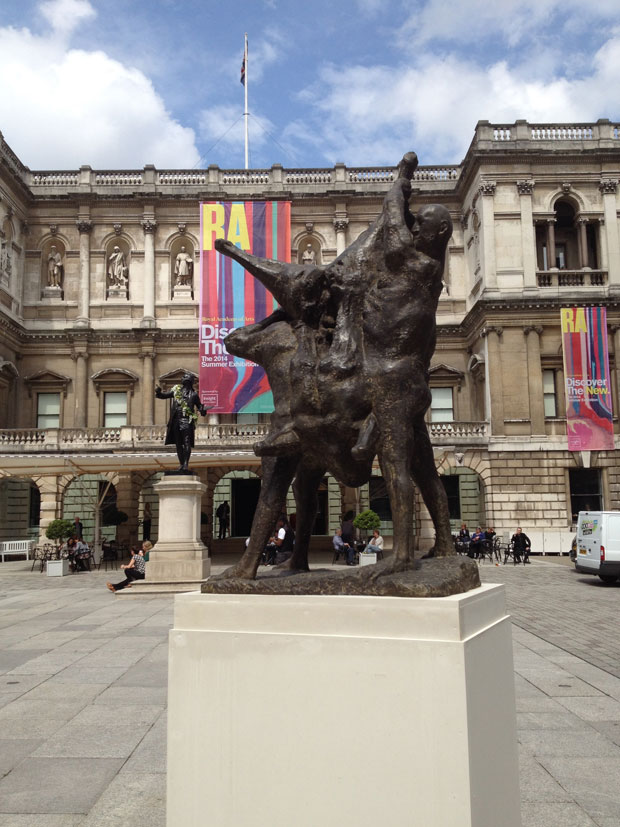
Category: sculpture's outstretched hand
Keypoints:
(407, 166)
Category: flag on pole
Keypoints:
(243, 69)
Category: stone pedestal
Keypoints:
(52, 292)
(117, 294)
(336, 710)
(182, 293)
(179, 561)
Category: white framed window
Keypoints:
(549, 394)
(442, 405)
(48, 410)
(114, 409)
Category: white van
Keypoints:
(598, 544)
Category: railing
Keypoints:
(465, 431)
(562, 132)
(308, 176)
(151, 437)
(118, 179)
(56, 179)
(189, 178)
(245, 176)
(571, 278)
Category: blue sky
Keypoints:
(120, 84)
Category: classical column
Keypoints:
(81, 387)
(550, 243)
(340, 225)
(582, 240)
(148, 388)
(495, 384)
(487, 233)
(528, 232)
(608, 187)
(535, 380)
(148, 313)
(84, 229)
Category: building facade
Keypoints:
(97, 308)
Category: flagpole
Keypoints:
(245, 114)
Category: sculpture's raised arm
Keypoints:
(397, 239)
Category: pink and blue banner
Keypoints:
(231, 297)
(589, 423)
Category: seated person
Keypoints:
(82, 554)
(521, 545)
(285, 540)
(475, 543)
(134, 570)
(343, 548)
(463, 538)
(489, 534)
(375, 544)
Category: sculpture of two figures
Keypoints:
(347, 356)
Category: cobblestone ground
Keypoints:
(83, 699)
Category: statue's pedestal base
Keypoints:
(179, 561)
(51, 292)
(340, 710)
(117, 294)
(181, 293)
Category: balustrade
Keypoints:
(571, 278)
(115, 179)
(151, 437)
(562, 132)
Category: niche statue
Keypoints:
(182, 423)
(347, 355)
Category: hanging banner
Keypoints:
(589, 424)
(230, 298)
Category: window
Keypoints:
(442, 409)
(48, 410)
(550, 401)
(451, 484)
(585, 490)
(379, 500)
(114, 409)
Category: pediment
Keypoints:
(47, 380)
(174, 377)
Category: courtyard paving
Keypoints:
(83, 698)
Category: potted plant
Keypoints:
(365, 522)
(59, 530)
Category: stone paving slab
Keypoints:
(105, 652)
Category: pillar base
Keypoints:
(331, 710)
(179, 554)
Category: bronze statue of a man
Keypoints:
(182, 423)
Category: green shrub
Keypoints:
(367, 521)
(60, 530)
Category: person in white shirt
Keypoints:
(376, 542)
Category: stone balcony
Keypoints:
(147, 438)
(572, 278)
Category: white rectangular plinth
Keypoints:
(368, 559)
(326, 711)
(57, 568)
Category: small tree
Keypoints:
(367, 521)
(59, 530)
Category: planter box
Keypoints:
(57, 568)
(368, 558)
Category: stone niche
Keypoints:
(117, 269)
(53, 269)
(309, 251)
(182, 268)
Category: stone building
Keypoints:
(93, 314)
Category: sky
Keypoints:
(124, 83)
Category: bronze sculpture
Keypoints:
(182, 423)
(347, 356)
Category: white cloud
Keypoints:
(514, 20)
(67, 107)
(373, 114)
(66, 15)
